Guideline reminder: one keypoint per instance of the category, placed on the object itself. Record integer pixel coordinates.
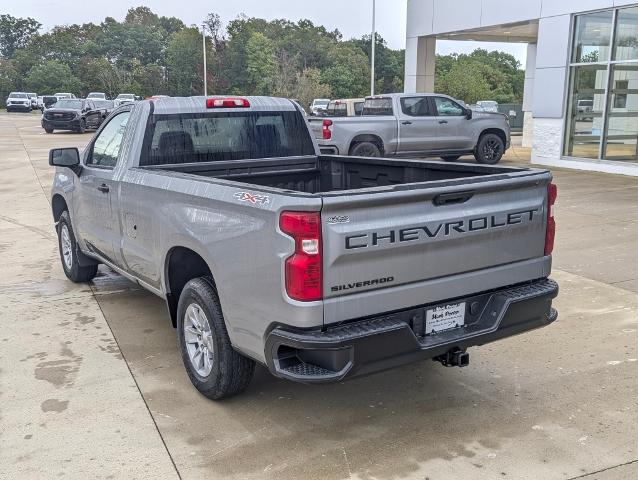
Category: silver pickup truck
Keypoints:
(417, 125)
(318, 267)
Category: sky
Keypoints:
(352, 17)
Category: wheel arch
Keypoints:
(58, 206)
(182, 264)
(367, 137)
(496, 131)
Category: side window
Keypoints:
(378, 106)
(416, 107)
(106, 147)
(358, 108)
(448, 108)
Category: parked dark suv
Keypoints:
(73, 114)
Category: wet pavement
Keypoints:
(92, 384)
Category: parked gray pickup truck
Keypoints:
(417, 125)
(319, 267)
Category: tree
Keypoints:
(15, 33)
(464, 81)
(50, 77)
(261, 66)
(309, 87)
(348, 73)
(9, 79)
(389, 64)
(98, 74)
(480, 75)
(184, 62)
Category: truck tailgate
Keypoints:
(377, 241)
(316, 126)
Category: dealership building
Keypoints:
(581, 79)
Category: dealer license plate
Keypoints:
(445, 317)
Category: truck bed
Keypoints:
(325, 174)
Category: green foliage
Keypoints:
(390, 64)
(148, 54)
(347, 72)
(308, 86)
(480, 75)
(261, 65)
(9, 79)
(184, 63)
(15, 33)
(50, 77)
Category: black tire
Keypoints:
(451, 158)
(48, 130)
(490, 149)
(365, 149)
(82, 127)
(230, 372)
(70, 256)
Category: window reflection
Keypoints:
(593, 37)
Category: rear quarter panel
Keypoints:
(239, 240)
(344, 130)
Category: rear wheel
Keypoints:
(213, 366)
(451, 158)
(69, 254)
(365, 149)
(490, 149)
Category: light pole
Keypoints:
(204, 50)
(374, 44)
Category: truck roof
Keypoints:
(172, 105)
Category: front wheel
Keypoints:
(48, 130)
(82, 127)
(365, 149)
(212, 365)
(490, 149)
(69, 253)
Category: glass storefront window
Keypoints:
(586, 105)
(593, 37)
(602, 111)
(621, 139)
(626, 44)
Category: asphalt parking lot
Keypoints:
(91, 384)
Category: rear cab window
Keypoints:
(378, 106)
(416, 107)
(337, 109)
(213, 137)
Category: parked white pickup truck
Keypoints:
(416, 125)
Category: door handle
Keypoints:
(104, 188)
(452, 198)
(442, 122)
(407, 122)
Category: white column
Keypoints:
(528, 96)
(420, 62)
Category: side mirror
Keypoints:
(65, 157)
(468, 113)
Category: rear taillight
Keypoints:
(227, 103)
(303, 268)
(327, 133)
(550, 235)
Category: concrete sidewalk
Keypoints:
(69, 406)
